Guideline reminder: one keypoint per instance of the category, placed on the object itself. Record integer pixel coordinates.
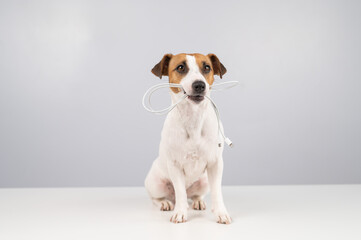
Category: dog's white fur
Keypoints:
(190, 160)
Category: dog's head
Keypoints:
(195, 72)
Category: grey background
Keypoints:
(72, 75)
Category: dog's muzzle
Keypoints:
(198, 90)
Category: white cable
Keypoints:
(225, 139)
(166, 110)
(231, 84)
(151, 90)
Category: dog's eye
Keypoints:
(207, 68)
(180, 68)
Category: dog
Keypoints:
(190, 154)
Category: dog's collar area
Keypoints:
(215, 87)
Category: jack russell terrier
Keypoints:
(190, 157)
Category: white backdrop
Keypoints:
(72, 74)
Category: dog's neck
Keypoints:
(192, 116)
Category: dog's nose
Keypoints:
(198, 86)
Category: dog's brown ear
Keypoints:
(161, 69)
(218, 67)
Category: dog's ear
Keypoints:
(161, 69)
(218, 67)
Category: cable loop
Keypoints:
(214, 87)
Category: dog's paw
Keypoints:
(179, 217)
(198, 204)
(166, 205)
(223, 217)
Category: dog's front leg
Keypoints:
(181, 205)
(215, 172)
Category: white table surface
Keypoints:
(258, 212)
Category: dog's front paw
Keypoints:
(223, 217)
(179, 217)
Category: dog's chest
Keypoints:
(193, 166)
(194, 157)
(190, 139)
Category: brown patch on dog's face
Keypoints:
(177, 70)
(176, 67)
(205, 67)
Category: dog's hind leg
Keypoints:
(160, 189)
(197, 191)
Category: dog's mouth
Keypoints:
(196, 98)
